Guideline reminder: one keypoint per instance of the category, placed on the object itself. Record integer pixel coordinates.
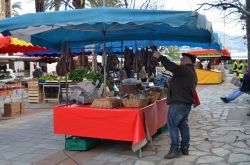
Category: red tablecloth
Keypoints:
(126, 124)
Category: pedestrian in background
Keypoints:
(245, 87)
(38, 72)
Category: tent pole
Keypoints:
(122, 53)
(105, 62)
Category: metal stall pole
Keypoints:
(105, 62)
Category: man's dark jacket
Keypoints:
(183, 83)
(245, 83)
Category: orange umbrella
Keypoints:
(14, 45)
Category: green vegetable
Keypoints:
(80, 74)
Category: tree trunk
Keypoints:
(78, 4)
(40, 7)
(8, 8)
(248, 33)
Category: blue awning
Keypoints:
(51, 29)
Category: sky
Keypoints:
(214, 16)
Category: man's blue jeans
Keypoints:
(234, 94)
(178, 121)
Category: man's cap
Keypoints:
(190, 56)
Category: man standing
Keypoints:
(241, 69)
(235, 68)
(38, 72)
(180, 97)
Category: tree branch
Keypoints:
(224, 6)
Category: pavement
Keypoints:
(220, 135)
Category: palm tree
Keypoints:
(8, 8)
(39, 4)
(68, 4)
(108, 3)
(16, 6)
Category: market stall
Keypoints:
(15, 45)
(110, 24)
(210, 67)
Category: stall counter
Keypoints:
(209, 76)
(127, 124)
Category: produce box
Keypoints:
(22, 108)
(11, 109)
(75, 143)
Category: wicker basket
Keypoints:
(135, 103)
(162, 93)
(106, 103)
(152, 96)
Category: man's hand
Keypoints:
(156, 54)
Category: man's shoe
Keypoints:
(184, 151)
(172, 155)
(224, 99)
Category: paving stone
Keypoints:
(243, 137)
(163, 148)
(220, 152)
(117, 159)
(188, 158)
(233, 158)
(229, 147)
(205, 146)
(217, 144)
(219, 163)
(147, 153)
(95, 162)
(198, 153)
(21, 163)
(141, 162)
(241, 150)
(127, 162)
(244, 163)
(11, 155)
(209, 159)
(166, 162)
(5, 162)
(239, 144)
(105, 156)
(180, 162)
(151, 158)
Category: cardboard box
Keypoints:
(11, 109)
(22, 108)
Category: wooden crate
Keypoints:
(35, 93)
(11, 109)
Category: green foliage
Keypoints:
(173, 52)
(80, 74)
(48, 77)
(108, 3)
(77, 74)
(15, 7)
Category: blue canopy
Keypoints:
(109, 24)
(55, 53)
(117, 46)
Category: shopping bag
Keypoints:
(196, 99)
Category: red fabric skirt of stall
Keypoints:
(126, 124)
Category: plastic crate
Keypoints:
(162, 129)
(75, 143)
